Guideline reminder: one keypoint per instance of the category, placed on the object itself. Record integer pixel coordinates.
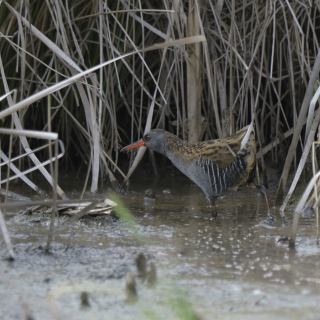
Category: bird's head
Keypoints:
(154, 139)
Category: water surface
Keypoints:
(230, 268)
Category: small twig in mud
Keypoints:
(151, 274)
(84, 299)
(283, 239)
(131, 288)
(141, 263)
(27, 312)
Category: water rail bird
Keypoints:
(214, 165)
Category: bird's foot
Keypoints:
(214, 212)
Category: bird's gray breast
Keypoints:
(205, 176)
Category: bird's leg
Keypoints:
(263, 191)
(214, 212)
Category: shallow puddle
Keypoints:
(229, 268)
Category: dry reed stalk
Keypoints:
(306, 151)
(194, 86)
(316, 188)
(300, 121)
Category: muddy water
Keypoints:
(229, 268)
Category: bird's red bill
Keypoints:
(137, 144)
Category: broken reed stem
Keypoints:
(54, 175)
(6, 236)
(315, 188)
(299, 208)
(9, 161)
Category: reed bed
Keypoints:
(218, 65)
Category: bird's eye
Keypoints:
(146, 138)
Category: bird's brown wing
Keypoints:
(221, 151)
